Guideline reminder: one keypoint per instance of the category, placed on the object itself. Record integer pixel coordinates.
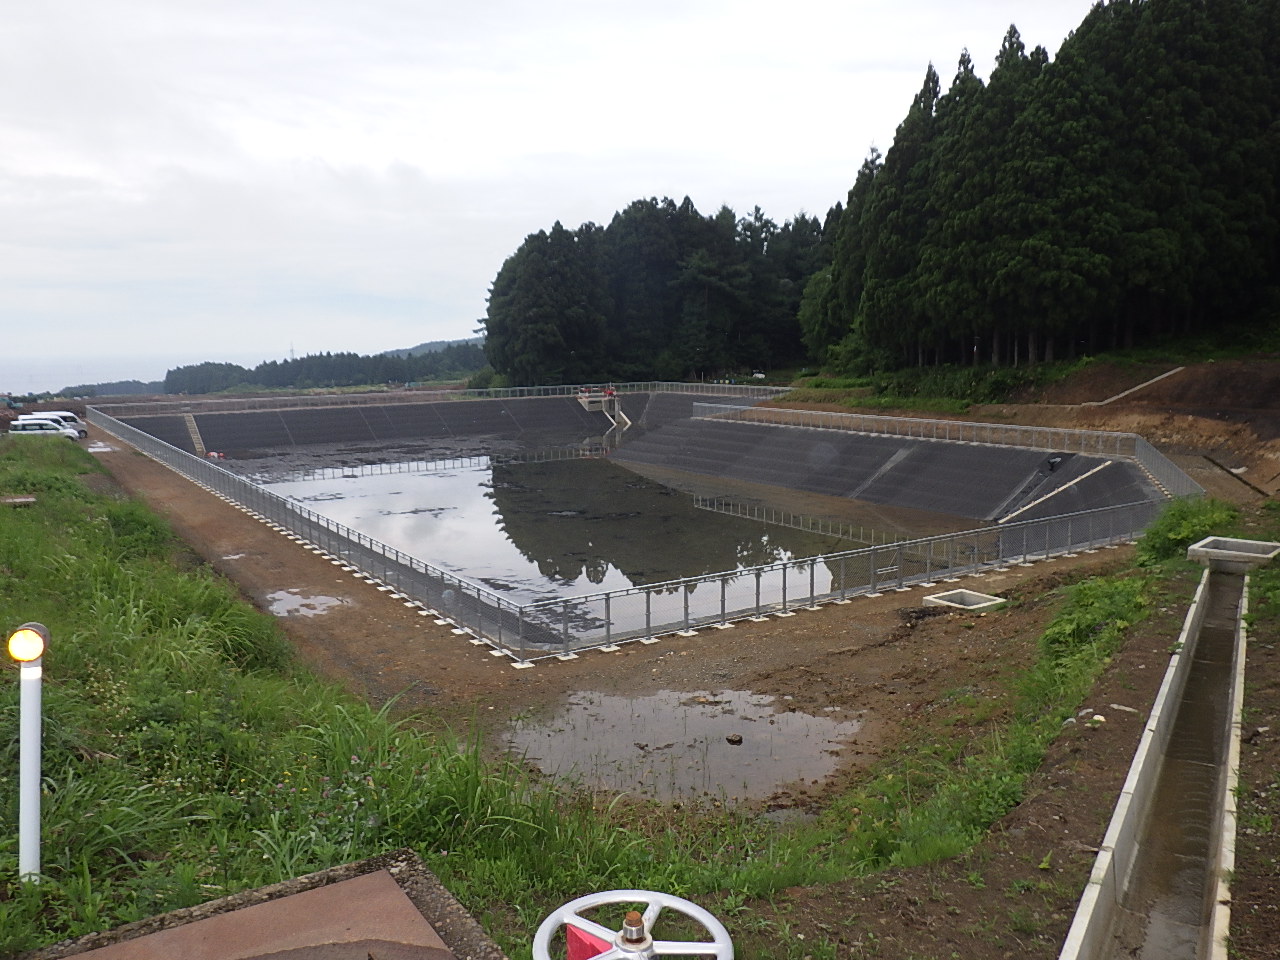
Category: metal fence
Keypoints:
(561, 627)
(153, 408)
(824, 526)
(780, 589)
(1164, 472)
(588, 450)
(1130, 446)
(1094, 442)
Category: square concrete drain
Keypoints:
(1232, 555)
(965, 600)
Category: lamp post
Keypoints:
(27, 645)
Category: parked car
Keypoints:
(65, 417)
(42, 428)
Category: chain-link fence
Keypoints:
(1099, 443)
(588, 450)
(775, 516)
(531, 631)
(779, 589)
(1093, 442)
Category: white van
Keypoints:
(65, 417)
(42, 428)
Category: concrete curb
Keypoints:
(1217, 931)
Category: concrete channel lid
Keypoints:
(387, 908)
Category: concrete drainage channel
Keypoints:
(1159, 887)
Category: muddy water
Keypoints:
(540, 531)
(728, 745)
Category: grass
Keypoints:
(952, 389)
(186, 756)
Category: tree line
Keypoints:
(662, 292)
(1118, 194)
(452, 362)
(1121, 193)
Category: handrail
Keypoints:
(156, 408)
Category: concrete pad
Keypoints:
(339, 916)
(390, 907)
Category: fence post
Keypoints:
(724, 583)
(684, 590)
(608, 621)
(872, 560)
(813, 569)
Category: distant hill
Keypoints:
(457, 360)
(113, 389)
(431, 346)
(436, 359)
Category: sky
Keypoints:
(248, 180)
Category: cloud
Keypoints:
(214, 179)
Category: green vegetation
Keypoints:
(946, 389)
(1264, 590)
(1066, 206)
(186, 757)
(1182, 523)
(111, 388)
(454, 361)
(662, 292)
(937, 800)
(1119, 195)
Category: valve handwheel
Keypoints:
(635, 940)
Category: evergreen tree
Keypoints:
(895, 222)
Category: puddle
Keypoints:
(99, 447)
(291, 603)
(727, 745)
(234, 556)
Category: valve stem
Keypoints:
(633, 927)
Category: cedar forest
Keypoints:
(1121, 193)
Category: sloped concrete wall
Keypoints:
(981, 482)
(553, 417)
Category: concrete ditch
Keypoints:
(1160, 883)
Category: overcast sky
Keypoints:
(238, 180)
